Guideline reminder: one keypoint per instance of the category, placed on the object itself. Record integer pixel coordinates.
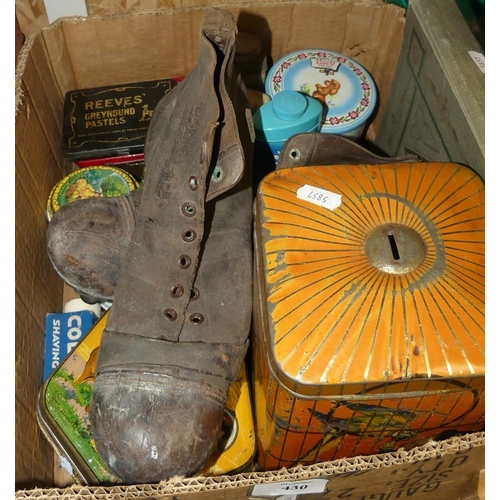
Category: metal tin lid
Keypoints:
(110, 120)
(372, 277)
(101, 181)
(341, 84)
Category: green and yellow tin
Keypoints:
(369, 329)
(90, 182)
(62, 414)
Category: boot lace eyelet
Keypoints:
(170, 314)
(197, 318)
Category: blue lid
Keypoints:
(286, 114)
(342, 84)
(289, 105)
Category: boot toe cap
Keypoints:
(148, 428)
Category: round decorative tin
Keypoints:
(99, 181)
(342, 85)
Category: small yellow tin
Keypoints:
(62, 414)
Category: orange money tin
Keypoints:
(369, 328)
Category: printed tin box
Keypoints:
(90, 182)
(344, 88)
(112, 120)
(369, 309)
(63, 406)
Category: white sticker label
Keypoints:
(478, 58)
(251, 127)
(320, 197)
(290, 488)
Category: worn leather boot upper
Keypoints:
(178, 329)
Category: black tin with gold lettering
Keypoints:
(112, 120)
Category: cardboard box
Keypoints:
(95, 51)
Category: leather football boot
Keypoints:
(178, 329)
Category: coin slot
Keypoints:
(407, 249)
(394, 247)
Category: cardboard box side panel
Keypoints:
(167, 57)
(48, 102)
(451, 476)
(59, 57)
(38, 289)
(112, 53)
(34, 454)
(301, 28)
(38, 147)
(436, 108)
(436, 471)
(106, 7)
(374, 38)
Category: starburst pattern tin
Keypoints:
(369, 320)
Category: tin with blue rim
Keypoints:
(344, 87)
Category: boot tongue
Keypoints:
(230, 160)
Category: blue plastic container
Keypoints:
(342, 85)
(286, 114)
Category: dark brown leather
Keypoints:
(178, 329)
(328, 149)
(87, 241)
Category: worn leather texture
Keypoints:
(178, 329)
(315, 148)
(87, 241)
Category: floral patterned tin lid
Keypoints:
(100, 181)
(345, 88)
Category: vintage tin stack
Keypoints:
(369, 321)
